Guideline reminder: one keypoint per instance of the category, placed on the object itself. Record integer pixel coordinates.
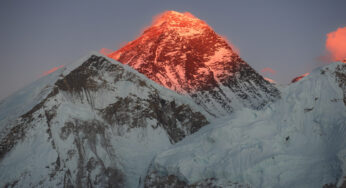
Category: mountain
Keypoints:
(180, 109)
(298, 141)
(95, 123)
(184, 54)
(99, 123)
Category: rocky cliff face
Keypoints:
(183, 53)
(99, 126)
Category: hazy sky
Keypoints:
(37, 35)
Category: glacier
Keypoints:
(298, 141)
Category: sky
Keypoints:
(284, 38)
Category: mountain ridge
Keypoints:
(200, 64)
(81, 130)
(298, 141)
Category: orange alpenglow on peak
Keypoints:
(177, 19)
(184, 54)
(167, 23)
(181, 52)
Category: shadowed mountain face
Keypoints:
(298, 141)
(99, 126)
(184, 54)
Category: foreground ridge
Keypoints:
(99, 125)
(299, 141)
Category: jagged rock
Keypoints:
(82, 125)
(183, 53)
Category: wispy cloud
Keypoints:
(268, 70)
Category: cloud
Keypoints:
(52, 70)
(105, 51)
(336, 45)
(268, 70)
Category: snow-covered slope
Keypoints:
(183, 53)
(299, 141)
(25, 99)
(98, 125)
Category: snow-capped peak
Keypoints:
(183, 23)
(178, 51)
(184, 54)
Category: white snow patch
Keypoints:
(299, 141)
